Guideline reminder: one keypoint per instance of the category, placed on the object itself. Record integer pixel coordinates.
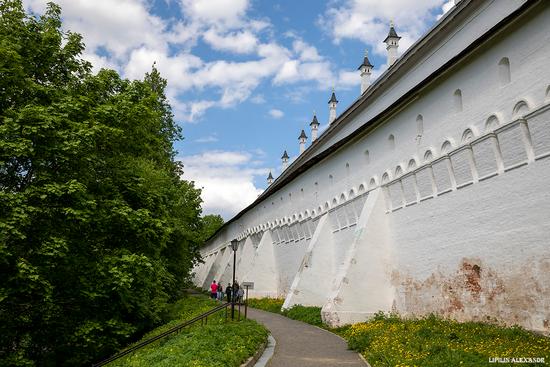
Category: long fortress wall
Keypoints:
(441, 206)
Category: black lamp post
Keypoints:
(234, 247)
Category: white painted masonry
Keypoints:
(429, 194)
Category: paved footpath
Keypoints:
(303, 345)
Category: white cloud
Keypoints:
(368, 20)
(276, 114)
(305, 51)
(207, 139)
(258, 99)
(242, 42)
(347, 79)
(115, 25)
(228, 13)
(227, 179)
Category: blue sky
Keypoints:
(244, 76)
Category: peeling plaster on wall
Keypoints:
(476, 291)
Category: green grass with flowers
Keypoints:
(389, 340)
(219, 343)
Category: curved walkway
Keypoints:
(303, 345)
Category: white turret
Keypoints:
(314, 127)
(302, 139)
(270, 178)
(366, 69)
(284, 158)
(392, 43)
(332, 107)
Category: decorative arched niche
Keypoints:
(491, 123)
(446, 147)
(361, 189)
(457, 100)
(385, 178)
(504, 74)
(428, 156)
(391, 142)
(342, 198)
(351, 194)
(419, 126)
(334, 202)
(398, 171)
(520, 109)
(372, 183)
(412, 164)
(327, 206)
(467, 136)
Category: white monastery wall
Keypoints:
(450, 216)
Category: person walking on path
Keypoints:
(229, 292)
(213, 289)
(240, 294)
(220, 292)
(236, 291)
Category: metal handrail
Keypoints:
(162, 335)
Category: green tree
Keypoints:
(210, 223)
(97, 230)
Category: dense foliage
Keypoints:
(97, 230)
(210, 224)
(432, 341)
(219, 343)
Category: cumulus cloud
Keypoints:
(240, 42)
(228, 13)
(226, 179)
(276, 114)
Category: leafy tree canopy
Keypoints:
(210, 224)
(97, 230)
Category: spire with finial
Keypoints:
(302, 139)
(366, 69)
(269, 178)
(284, 158)
(392, 43)
(332, 107)
(314, 127)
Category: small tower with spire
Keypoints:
(332, 107)
(392, 43)
(302, 139)
(284, 158)
(314, 127)
(269, 178)
(366, 69)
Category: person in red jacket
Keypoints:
(213, 289)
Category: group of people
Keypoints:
(231, 292)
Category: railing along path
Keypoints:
(173, 330)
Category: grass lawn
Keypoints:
(310, 315)
(219, 343)
(426, 342)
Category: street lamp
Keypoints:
(234, 247)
